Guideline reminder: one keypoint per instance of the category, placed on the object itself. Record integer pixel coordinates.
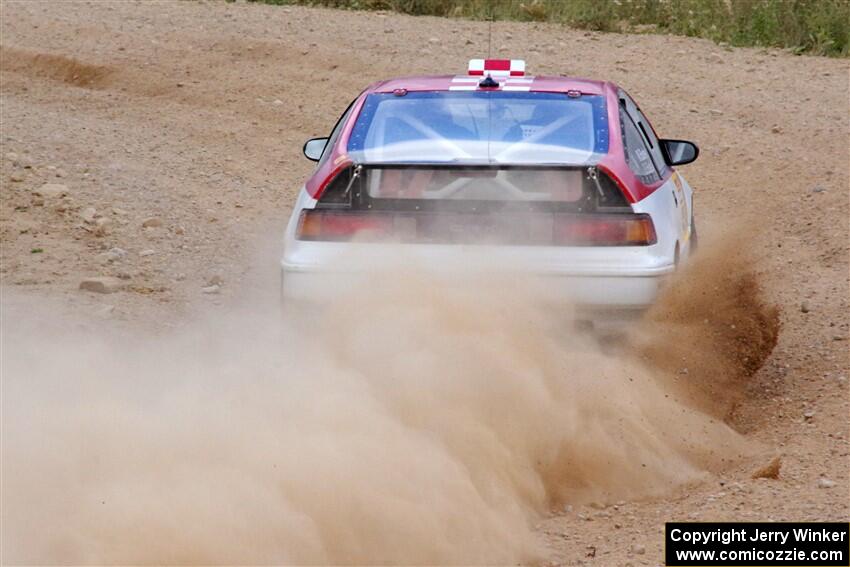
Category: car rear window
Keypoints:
(480, 127)
(475, 184)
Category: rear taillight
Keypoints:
(558, 229)
(604, 230)
(343, 225)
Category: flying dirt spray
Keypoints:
(419, 423)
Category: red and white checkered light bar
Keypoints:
(497, 67)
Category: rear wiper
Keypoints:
(594, 176)
(354, 175)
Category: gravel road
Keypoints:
(157, 146)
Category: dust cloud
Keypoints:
(710, 332)
(410, 421)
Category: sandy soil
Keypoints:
(194, 113)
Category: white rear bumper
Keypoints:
(593, 285)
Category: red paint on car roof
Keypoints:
(443, 82)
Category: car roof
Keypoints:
(451, 82)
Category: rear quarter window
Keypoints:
(636, 151)
(654, 145)
(334, 135)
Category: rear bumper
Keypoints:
(600, 295)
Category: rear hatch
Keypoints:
(477, 167)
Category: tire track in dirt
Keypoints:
(55, 67)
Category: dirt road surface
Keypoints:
(174, 131)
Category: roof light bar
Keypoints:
(497, 67)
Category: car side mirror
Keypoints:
(679, 152)
(313, 148)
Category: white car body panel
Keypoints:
(601, 278)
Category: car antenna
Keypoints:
(490, 33)
(488, 82)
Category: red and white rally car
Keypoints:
(558, 177)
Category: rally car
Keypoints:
(557, 177)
